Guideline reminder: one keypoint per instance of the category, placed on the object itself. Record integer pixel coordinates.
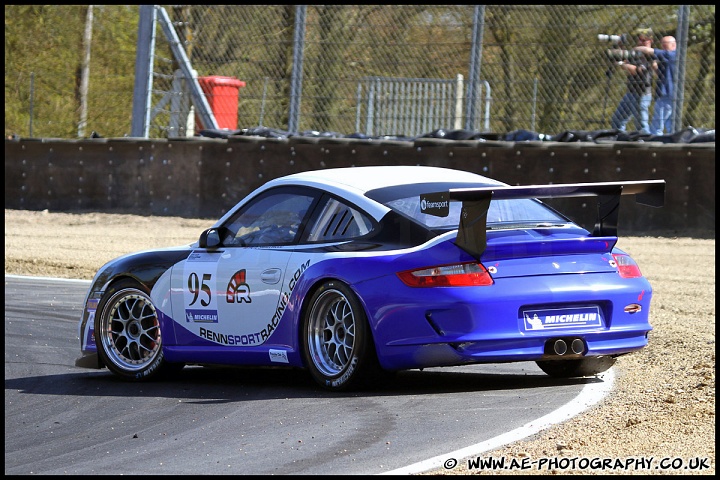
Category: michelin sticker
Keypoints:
(562, 318)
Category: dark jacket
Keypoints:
(641, 82)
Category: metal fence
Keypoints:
(534, 67)
(413, 106)
(408, 105)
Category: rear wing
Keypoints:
(472, 235)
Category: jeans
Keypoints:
(636, 106)
(662, 116)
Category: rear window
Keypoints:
(502, 213)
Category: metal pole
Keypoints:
(262, 105)
(458, 102)
(475, 60)
(32, 100)
(358, 99)
(679, 73)
(488, 100)
(85, 75)
(534, 104)
(296, 78)
(143, 72)
(204, 112)
(369, 124)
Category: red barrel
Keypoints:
(222, 94)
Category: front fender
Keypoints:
(145, 267)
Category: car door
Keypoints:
(232, 295)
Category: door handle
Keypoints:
(271, 276)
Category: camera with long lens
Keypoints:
(616, 40)
(617, 52)
(615, 55)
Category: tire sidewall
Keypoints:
(363, 352)
(154, 368)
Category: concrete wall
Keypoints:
(203, 177)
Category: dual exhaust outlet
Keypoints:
(565, 346)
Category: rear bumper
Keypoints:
(520, 348)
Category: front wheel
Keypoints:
(337, 344)
(127, 333)
(581, 367)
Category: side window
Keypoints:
(271, 219)
(338, 221)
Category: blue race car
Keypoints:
(351, 273)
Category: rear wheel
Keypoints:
(337, 344)
(581, 367)
(127, 333)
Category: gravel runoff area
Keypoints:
(662, 405)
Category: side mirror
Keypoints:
(211, 238)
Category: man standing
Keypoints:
(662, 121)
(636, 102)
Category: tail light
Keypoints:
(627, 268)
(458, 275)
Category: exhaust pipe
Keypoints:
(560, 347)
(565, 346)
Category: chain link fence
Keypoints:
(383, 69)
(379, 69)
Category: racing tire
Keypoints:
(127, 334)
(581, 367)
(337, 344)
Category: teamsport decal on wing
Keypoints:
(238, 291)
(436, 204)
(562, 318)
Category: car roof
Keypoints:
(366, 178)
(351, 183)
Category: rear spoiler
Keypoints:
(472, 235)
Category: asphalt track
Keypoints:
(60, 419)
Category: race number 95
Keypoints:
(196, 287)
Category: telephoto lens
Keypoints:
(617, 55)
(609, 38)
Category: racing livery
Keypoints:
(353, 273)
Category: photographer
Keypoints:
(638, 68)
(664, 67)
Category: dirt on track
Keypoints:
(663, 401)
